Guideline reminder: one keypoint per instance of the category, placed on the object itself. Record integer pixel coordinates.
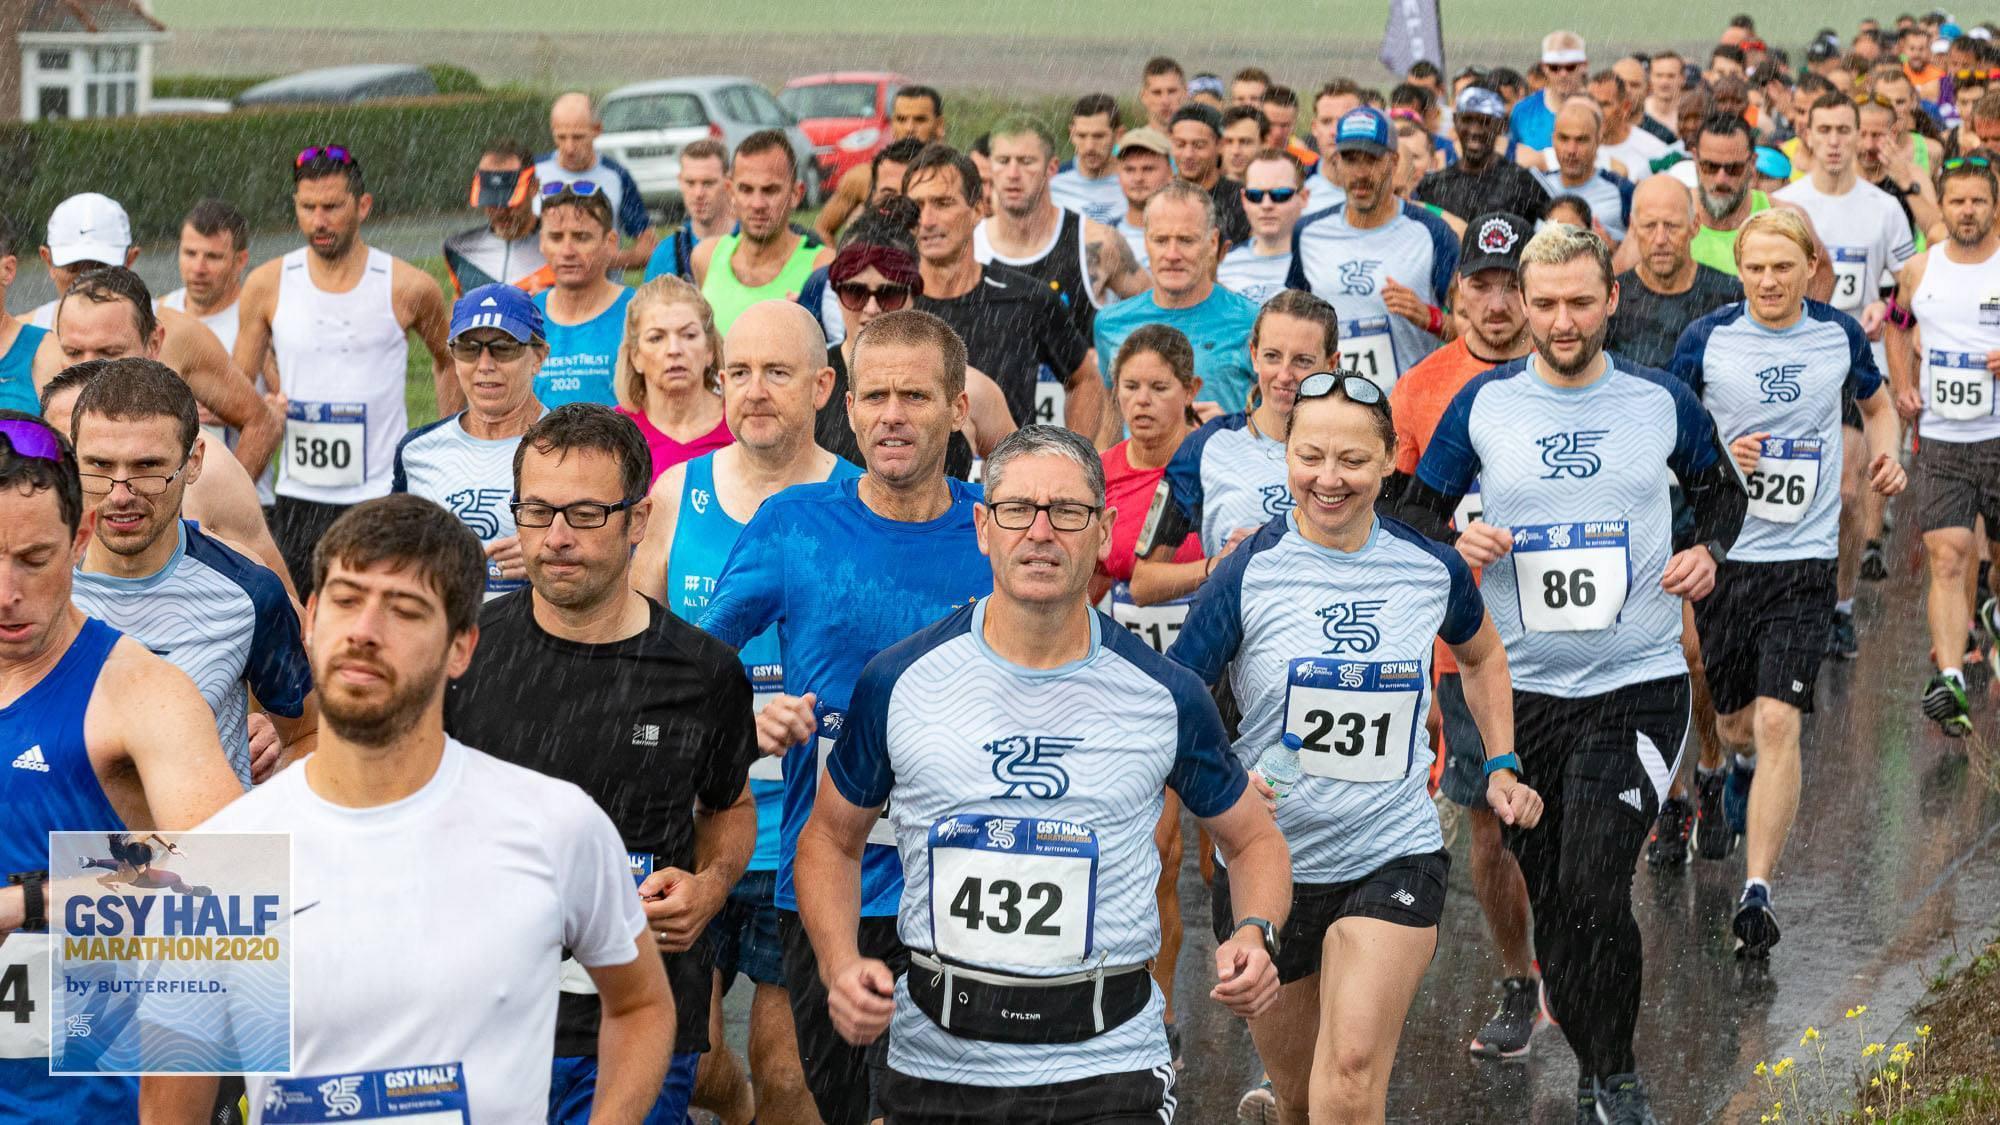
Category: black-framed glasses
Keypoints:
(151, 484)
(1275, 195)
(324, 154)
(1352, 385)
(574, 187)
(1064, 515)
(504, 350)
(583, 515)
(1957, 162)
(854, 296)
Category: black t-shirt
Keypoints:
(833, 433)
(1013, 326)
(647, 726)
(1647, 325)
(1230, 218)
(1503, 186)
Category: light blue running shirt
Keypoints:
(581, 356)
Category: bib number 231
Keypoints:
(1571, 577)
(1355, 721)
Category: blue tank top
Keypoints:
(17, 384)
(582, 357)
(703, 537)
(49, 786)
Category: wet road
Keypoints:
(1895, 863)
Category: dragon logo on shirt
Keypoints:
(1350, 626)
(1780, 382)
(342, 1095)
(1027, 765)
(1277, 499)
(1353, 675)
(1572, 453)
(1357, 277)
(479, 509)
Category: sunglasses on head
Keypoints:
(1275, 195)
(1975, 75)
(1957, 162)
(1562, 67)
(854, 296)
(1352, 385)
(32, 439)
(323, 154)
(574, 187)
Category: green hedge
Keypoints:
(221, 86)
(418, 155)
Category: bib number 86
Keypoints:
(1354, 737)
(1568, 587)
(969, 903)
(321, 453)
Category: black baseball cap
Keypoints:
(1195, 111)
(1493, 242)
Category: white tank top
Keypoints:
(342, 359)
(1958, 322)
(224, 325)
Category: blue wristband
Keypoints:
(1503, 762)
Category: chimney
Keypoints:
(13, 18)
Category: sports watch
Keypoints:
(1269, 932)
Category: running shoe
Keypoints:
(1736, 797)
(1259, 1106)
(1586, 1102)
(1668, 846)
(1874, 563)
(1712, 837)
(1506, 1035)
(1841, 643)
(1755, 925)
(1945, 705)
(1621, 1100)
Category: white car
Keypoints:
(646, 125)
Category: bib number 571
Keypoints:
(1007, 898)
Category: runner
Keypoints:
(1885, 160)
(1249, 86)
(85, 232)
(667, 362)
(1871, 241)
(1183, 243)
(1227, 479)
(464, 462)
(1335, 100)
(1162, 91)
(102, 734)
(21, 339)
(703, 180)
(1145, 165)
(1488, 296)
(1384, 266)
(916, 113)
(1281, 109)
(1620, 139)
(390, 800)
(774, 375)
(764, 257)
(1579, 127)
(1725, 160)
(1274, 196)
(214, 249)
(506, 248)
(1013, 326)
(1368, 861)
(197, 600)
(334, 319)
(1946, 295)
(827, 565)
(655, 725)
(1087, 183)
(1026, 828)
(1243, 129)
(1666, 85)
(583, 311)
(1082, 261)
(1589, 610)
(1665, 290)
(1484, 179)
(575, 127)
(1775, 372)
(1196, 133)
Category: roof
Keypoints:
(70, 17)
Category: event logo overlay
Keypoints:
(170, 952)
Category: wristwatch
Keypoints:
(34, 899)
(1265, 928)
(1508, 761)
(1717, 551)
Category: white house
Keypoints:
(74, 59)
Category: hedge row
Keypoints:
(450, 79)
(417, 156)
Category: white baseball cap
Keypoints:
(89, 228)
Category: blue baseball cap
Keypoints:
(1773, 163)
(1364, 130)
(497, 306)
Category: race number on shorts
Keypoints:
(1571, 577)
(1009, 890)
(1355, 720)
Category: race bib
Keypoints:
(1957, 385)
(1366, 347)
(1013, 890)
(830, 722)
(1571, 577)
(416, 1095)
(1355, 721)
(1786, 479)
(1157, 625)
(1470, 509)
(1850, 269)
(24, 996)
(326, 444)
(1050, 397)
(766, 681)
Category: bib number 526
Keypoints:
(1008, 900)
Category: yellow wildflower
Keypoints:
(1763, 1069)
(1924, 1032)
(1811, 1036)
(1871, 1050)
(1855, 1012)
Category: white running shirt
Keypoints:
(342, 360)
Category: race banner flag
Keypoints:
(170, 953)
(1415, 31)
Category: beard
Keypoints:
(1593, 345)
(1719, 207)
(378, 722)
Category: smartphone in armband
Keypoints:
(1164, 524)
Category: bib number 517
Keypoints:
(1007, 899)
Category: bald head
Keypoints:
(1663, 227)
(573, 123)
(1581, 113)
(1663, 192)
(774, 379)
(769, 326)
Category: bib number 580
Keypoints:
(1007, 898)
(321, 453)
(1562, 588)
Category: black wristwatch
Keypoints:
(1265, 928)
(34, 899)
(1717, 551)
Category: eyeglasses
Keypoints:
(33, 439)
(1957, 162)
(323, 154)
(96, 484)
(466, 350)
(1722, 167)
(574, 187)
(1064, 515)
(854, 296)
(1275, 195)
(581, 516)
(1352, 385)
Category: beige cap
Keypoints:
(1145, 137)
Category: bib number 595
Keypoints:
(1007, 899)
(1562, 588)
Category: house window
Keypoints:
(52, 103)
(111, 84)
(52, 60)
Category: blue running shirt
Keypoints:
(582, 357)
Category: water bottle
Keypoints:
(1279, 765)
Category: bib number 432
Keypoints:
(999, 906)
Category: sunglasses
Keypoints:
(1562, 68)
(1957, 162)
(1275, 195)
(574, 187)
(33, 439)
(1874, 99)
(1722, 167)
(1975, 75)
(854, 296)
(323, 154)
(504, 351)
(1352, 385)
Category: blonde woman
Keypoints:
(667, 372)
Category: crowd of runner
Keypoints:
(859, 608)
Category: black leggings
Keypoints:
(1602, 764)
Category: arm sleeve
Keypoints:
(1863, 377)
(734, 747)
(750, 594)
(1422, 507)
(1444, 256)
(858, 765)
(1464, 608)
(1183, 478)
(1686, 364)
(277, 671)
(600, 906)
(1206, 773)
(1707, 474)
(1449, 464)
(1295, 275)
(399, 480)
(633, 217)
(1213, 630)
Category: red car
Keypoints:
(845, 113)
